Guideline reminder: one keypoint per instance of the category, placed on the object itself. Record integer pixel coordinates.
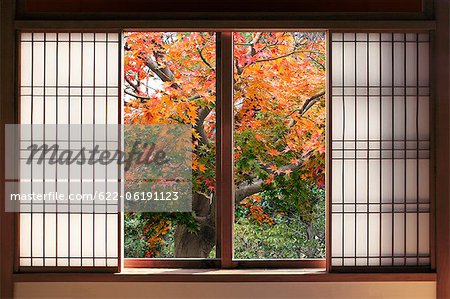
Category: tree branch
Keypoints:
(310, 102)
(316, 61)
(200, 52)
(285, 55)
(202, 114)
(134, 86)
(164, 73)
(245, 190)
(136, 96)
(256, 39)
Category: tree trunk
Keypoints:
(309, 230)
(310, 234)
(200, 243)
(194, 245)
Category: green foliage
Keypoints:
(289, 237)
(134, 241)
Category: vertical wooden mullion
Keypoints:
(119, 234)
(368, 148)
(93, 168)
(81, 144)
(328, 153)
(225, 182)
(380, 248)
(218, 202)
(356, 150)
(31, 168)
(69, 104)
(405, 160)
(43, 164)
(417, 155)
(433, 179)
(56, 166)
(343, 153)
(441, 146)
(120, 214)
(392, 149)
(18, 51)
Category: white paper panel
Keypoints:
(69, 78)
(374, 235)
(374, 64)
(337, 236)
(25, 235)
(63, 238)
(380, 145)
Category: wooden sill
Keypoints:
(222, 275)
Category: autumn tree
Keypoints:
(279, 110)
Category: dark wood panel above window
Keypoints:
(141, 6)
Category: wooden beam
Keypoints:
(223, 25)
(249, 275)
(7, 115)
(225, 145)
(134, 6)
(442, 148)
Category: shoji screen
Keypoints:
(380, 149)
(72, 79)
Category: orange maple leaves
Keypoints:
(170, 77)
(276, 74)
